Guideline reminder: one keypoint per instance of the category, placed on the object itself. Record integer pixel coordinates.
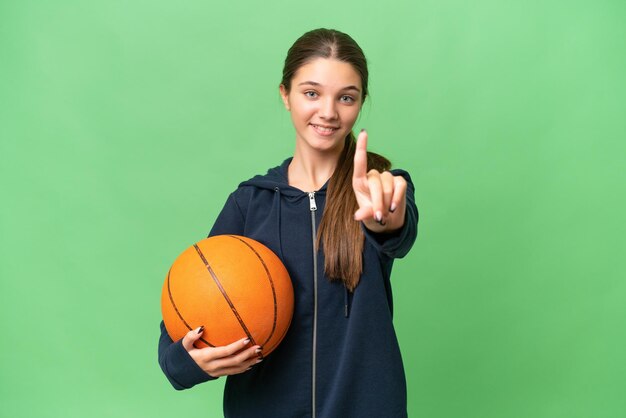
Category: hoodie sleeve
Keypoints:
(177, 365)
(398, 243)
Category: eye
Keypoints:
(310, 94)
(347, 99)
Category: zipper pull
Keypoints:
(312, 201)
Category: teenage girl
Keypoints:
(337, 216)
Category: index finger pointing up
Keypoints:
(360, 157)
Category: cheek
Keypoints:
(351, 116)
(302, 110)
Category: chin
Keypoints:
(327, 144)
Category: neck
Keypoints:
(310, 169)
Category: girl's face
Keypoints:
(324, 101)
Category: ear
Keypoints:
(285, 96)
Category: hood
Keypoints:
(277, 179)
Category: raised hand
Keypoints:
(381, 196)
(221, 361)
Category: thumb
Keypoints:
(363, 213)
(191, 337)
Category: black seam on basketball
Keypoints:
(169, 292)
(230, 302)
(269, 277)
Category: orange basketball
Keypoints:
(235, 286)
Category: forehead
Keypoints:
(328, 72)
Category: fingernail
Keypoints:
(258, 350)
(363, 130)
(379, 216)
(393, 207)
(201, 329)
(246, 341)
(259, 360)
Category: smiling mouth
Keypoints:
(324, 130)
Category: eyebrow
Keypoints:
(314, 83)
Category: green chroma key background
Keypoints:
(125, 125)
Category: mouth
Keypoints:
(324, 130)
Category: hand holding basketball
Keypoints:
(221, 361)
(381, 196)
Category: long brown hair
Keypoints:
(339, 234)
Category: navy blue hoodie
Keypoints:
(340, 357)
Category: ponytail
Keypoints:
(339, 234)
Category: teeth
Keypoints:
(324, 129)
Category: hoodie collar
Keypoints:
(277, 179)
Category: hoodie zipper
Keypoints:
(313, 207)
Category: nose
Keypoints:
(328, 109)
